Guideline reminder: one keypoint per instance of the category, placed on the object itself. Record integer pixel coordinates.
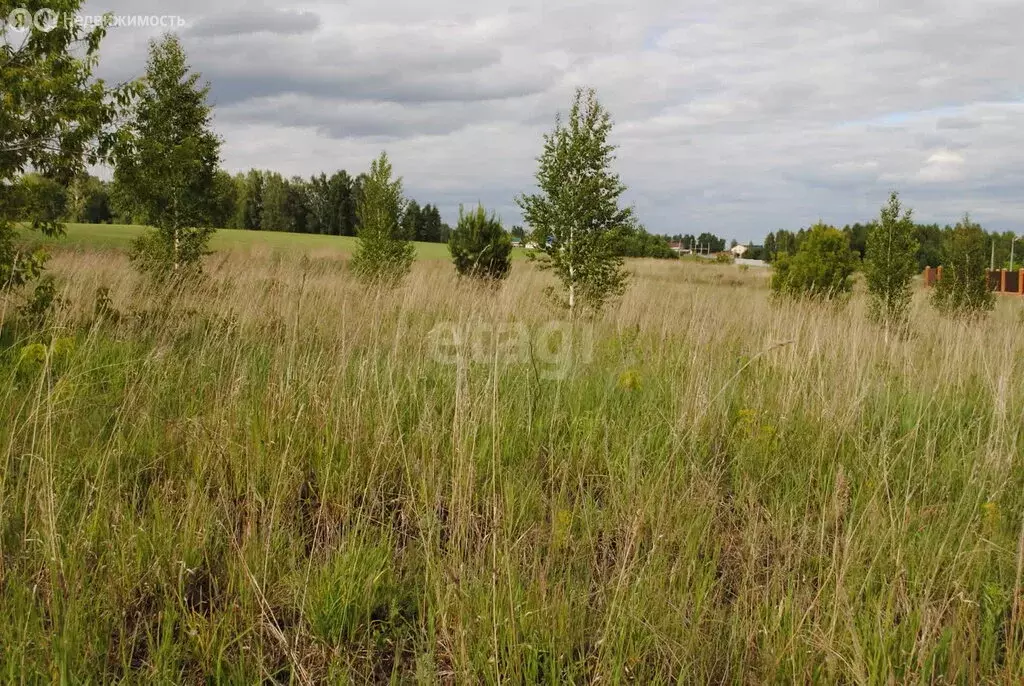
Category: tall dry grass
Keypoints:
(275, 476)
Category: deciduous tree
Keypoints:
(167, 161)
(412, 221)
(54, 118)
(963, 289)
(576, 214)
(769, 247)
(890, 264)
(820, 269)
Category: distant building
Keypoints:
(738, 250)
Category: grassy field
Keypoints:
(120, 236)
(280, 475)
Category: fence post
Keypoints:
(927, 276)
(1002, 280)
(938, 273)
(1020, 282)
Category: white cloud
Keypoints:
(944, 166)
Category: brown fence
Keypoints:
(999, 280)
(1013, 282)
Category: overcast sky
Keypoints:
(731, 117)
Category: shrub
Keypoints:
(963, 289)
(635, 241)
(820, 269)
(480, 247)
(42, 303)
(164, 255)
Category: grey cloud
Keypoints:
(956, 123)
(410, 68)
(273, 22)
(369, 119)
(732, 117)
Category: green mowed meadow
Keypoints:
(120, 236)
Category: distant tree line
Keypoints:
(709, 243)
(258, 200)
(705, 242)
(635, 241)
(932, 240)
(261, 200)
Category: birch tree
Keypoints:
(166, 163)
(576, 215)
(963, 290)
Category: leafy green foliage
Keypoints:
(710, 243)
(278, 205)
(820, 269)
(635, 241)
(89, 201)
(267, 201)
(429, 227)
(410, 220)
(249, 202)
(226, 193)
(963, 289)
(382, 255)
(576, 215)
(29, 198)
(152, 253)
(54, 119)
(768, 255)
(167, 159)
(480, 246)
(930, 240)
(858, 234)
(44, 200)
(41, 303)
(891, 263)
(781, 243)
